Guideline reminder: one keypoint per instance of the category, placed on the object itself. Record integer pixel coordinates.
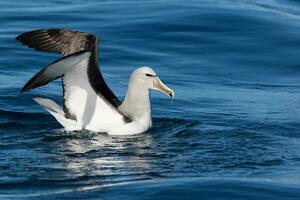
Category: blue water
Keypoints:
(232, 132)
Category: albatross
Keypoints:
(88, 103)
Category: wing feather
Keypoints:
(68, 42)
(63, 41)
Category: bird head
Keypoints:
(147, 78)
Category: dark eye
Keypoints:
(150, 75)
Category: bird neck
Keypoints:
(137, 103)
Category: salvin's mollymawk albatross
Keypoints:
(88, 102)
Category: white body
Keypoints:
(91, 111)
(83, 85)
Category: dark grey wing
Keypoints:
(55, 70)
(66, 42)
(63, 41)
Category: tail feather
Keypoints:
(57, 112)
(50, 105)
(55, 70)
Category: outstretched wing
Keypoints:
(68, 42)
(90, 110)
(63, 41)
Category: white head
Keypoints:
(137, 103)
(145, 78)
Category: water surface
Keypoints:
(232, 132)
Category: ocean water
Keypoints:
(232, 131)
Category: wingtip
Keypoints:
(26, 87)
(23, 89)
(23, 37)
(20, 38)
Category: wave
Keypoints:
(179, 188)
